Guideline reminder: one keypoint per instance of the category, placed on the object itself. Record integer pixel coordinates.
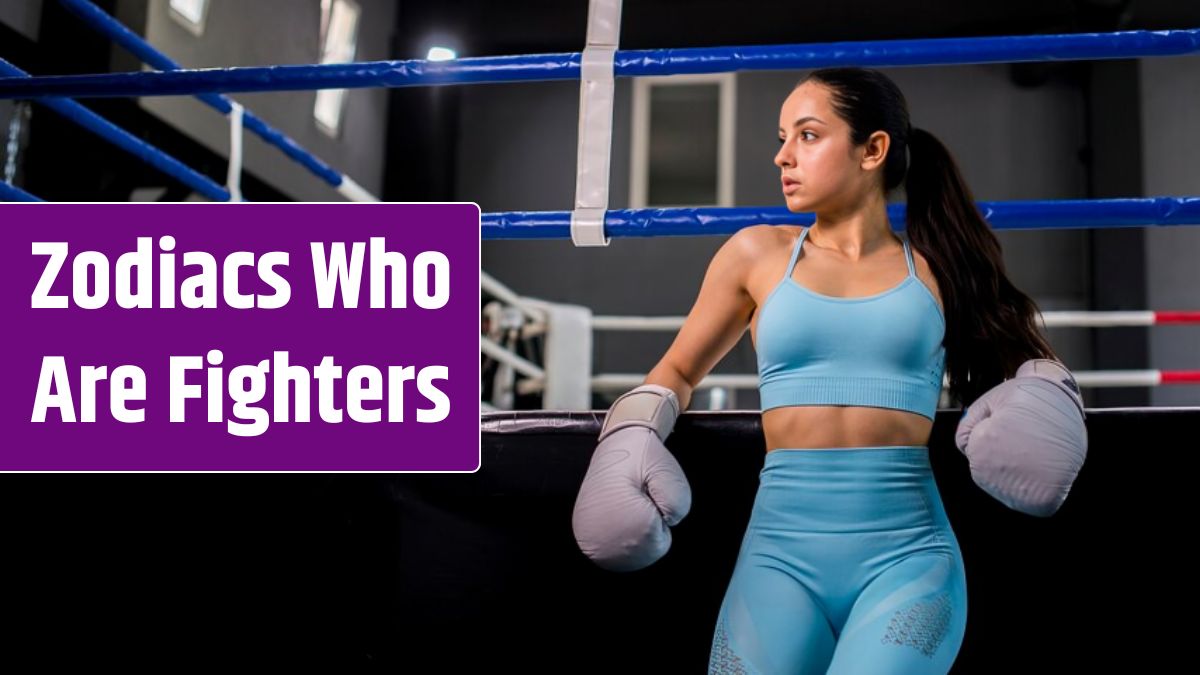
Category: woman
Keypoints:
(848, 564)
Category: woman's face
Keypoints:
(820, 168)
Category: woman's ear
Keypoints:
(875, 150)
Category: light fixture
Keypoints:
(441, 54)
(340, 20)
(190, 14)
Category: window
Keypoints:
(190, 14)
(339, 41)
(682, 141)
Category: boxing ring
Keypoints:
(400, 570)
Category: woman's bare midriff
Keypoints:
(835, 426)
(842, 427)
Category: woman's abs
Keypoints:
(843, 427)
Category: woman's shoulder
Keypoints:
(761, 240)
(753, 253)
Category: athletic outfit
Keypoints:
(849, 563)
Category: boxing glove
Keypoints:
(634, 490)
(1025, 438)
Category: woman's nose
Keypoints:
(783, 158)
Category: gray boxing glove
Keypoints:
(634, 490)
(1026, 439)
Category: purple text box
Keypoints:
(437, 327)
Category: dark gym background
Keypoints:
(465, 573)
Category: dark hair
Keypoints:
(990, 324)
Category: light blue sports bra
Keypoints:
(883, 350)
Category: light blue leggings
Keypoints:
(848, 565)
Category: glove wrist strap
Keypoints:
(1049, 369)
(650, 405)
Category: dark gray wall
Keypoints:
(23, 16)
(517, 152)
(1171, 146)
(276, 32)
(1118, 260)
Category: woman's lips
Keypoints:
(790, 186)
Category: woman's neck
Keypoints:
(855, 234)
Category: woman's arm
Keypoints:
(718, 318)
(635, 490)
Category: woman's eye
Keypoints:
(807, 133)
(781, 140)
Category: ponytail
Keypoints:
(990, 324)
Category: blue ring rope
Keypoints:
(101, 21)
(12, 193)
(629, 63)
(1012, 215)
(127, 141)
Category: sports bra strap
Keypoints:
(908, 256)
(795, 253)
